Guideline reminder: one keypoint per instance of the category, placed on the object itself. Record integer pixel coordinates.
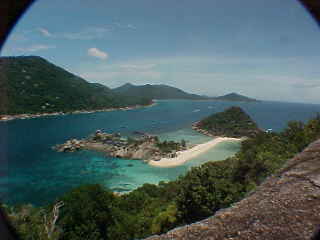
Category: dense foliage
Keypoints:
(34, 85)
(233, 122)
(92, 212)
(168, 146)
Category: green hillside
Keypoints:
(34, 85)
(233, 122)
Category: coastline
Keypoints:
(5, 118)
(186, 155)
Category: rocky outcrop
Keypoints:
(145, 151)
(285, 206)
(70, 146)
(146, 147)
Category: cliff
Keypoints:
(285, 206)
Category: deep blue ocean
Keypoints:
(31, 172)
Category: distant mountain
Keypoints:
(235, 97)
(156, 92)
(32, 84)
(168, 92)
(124, 88)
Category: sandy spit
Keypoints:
(186, 155)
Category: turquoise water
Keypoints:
(31, 172)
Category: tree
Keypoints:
(88, 213)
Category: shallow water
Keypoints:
(31, 172)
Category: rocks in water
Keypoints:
(70, 146)
(146, 147)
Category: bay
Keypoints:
(31, 172)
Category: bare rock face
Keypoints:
(285, 206)
(143, 151)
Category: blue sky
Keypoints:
(267, 49)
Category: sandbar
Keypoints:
(186, 155)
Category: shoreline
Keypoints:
(5, 117)
(186, 155)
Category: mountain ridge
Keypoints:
(162, 91)
(235, 97)
(157, 91)
(32, 84)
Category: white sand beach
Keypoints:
(183, 156)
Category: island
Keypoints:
(233, 122)
(143, 147)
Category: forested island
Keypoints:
(94, 212)
(233, 122)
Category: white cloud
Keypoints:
(107, 76)
(306, 85)
(45, 32)
(18, 37)
(124, 26)
(95, 52)
(35, 48)
(87, 33)
(135, 67)
(131, 26)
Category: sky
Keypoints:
(266, 49)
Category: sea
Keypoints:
(31, 172)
